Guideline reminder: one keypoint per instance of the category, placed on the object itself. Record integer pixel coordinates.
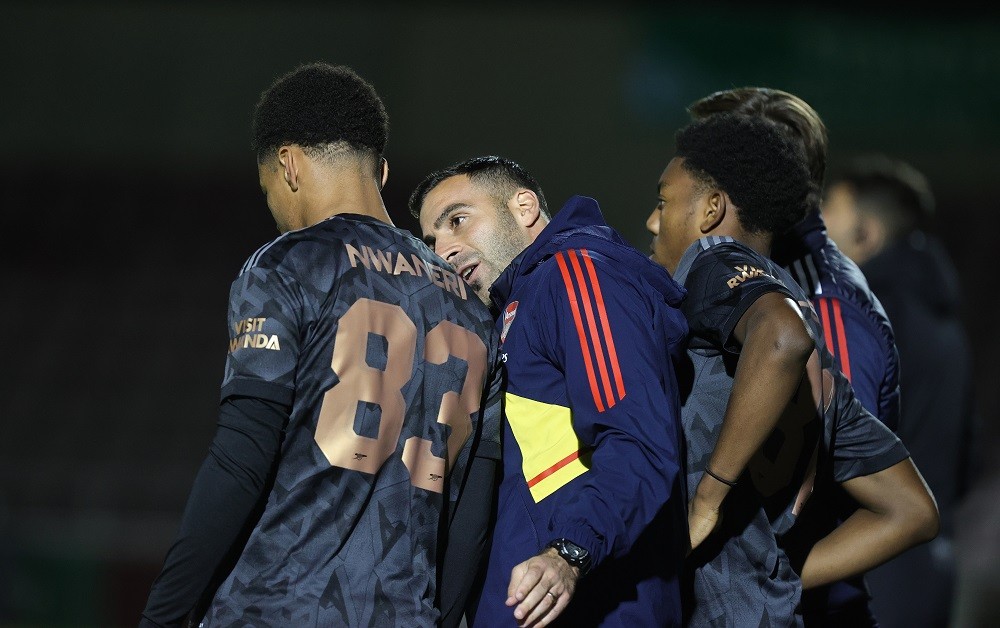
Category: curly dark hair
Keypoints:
(764, 172)
(498, 174)
(780, 106)
(793, 114)
(318, 106)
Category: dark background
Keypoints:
(132, 200)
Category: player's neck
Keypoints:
(351, 194)
(759, 241)
(730, 225)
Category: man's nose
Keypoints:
(653, 223)
(447, 248)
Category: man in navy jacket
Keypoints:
(591, 512)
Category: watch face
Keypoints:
(575, 551)
(572, 553)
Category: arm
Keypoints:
(775, 341)
(468, 540)
(226, 492)
(257, 394)
(470, 526)
(611, 340)
(897, 511)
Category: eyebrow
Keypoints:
(443, 216)
(448, 211)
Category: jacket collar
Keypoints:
(579, 213)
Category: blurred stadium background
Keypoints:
(131, 198)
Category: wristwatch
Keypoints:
(572, 554)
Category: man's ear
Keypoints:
(385, 173)
(525, 207)
(713, 211)
(870, 236)
(288, 162)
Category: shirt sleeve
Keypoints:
(860, 352)
(610, 336)
(475, 500)
(489, 445)
(861, 444)
(265, 318)
(227, 491)
(468, 541)
(724, 281)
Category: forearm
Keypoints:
(626, 486)
(468, 540)
(755, 406)
(623, 406)
(215, 513)
(897, 512)
(860, 543)
(227, 490)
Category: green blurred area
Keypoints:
(68, 587)
(56, 589)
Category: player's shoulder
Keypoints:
(842, 277)
(591, 256)
(270, 255)
(313, 246)
(575, 271)
(845, 283)
(723, 257)
(725, 248)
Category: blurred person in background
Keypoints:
(878, 211)
(977, 547)
(856, 329)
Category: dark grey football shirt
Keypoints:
(741, 576)
(383, 355)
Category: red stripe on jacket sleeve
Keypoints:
(559, 465)
(845, 358)
(595, 337)
(603, 312)
(575, 307)
(824, 316)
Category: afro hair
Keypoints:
(764, 172)
(316, 105)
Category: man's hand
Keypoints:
(541, 587)
(704, 510)
(702, 520)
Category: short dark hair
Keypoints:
(891, 189)
(792, 113)
(498, 174)
(762, 170)
(319, 106)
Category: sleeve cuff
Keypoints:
(868, 466)
(582, 535)
(246, 387)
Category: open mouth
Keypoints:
(466, 273)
